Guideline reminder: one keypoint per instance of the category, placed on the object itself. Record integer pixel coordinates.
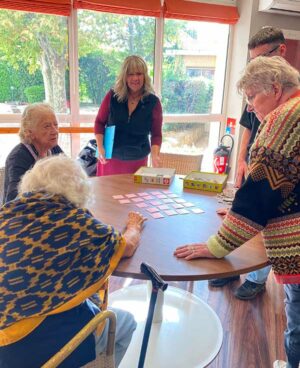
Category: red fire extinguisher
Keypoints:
(222, 155)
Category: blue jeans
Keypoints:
(259, 276)
(124, 330)
(292, 332)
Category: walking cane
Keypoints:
(157, 283)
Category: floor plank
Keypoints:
(253, 330)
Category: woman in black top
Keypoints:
(39, 138)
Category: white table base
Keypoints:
(190, 335)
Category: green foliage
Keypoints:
(95, 88)
(35, 93)
(14, 81)
(32, 44)
(189, 95)
(105, 40)
(5, 83)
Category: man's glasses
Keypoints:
(268, 53)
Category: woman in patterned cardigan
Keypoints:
(54, 255)
(269, 200)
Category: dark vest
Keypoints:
(131, 140)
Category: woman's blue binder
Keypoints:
(108, 140)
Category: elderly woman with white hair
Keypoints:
(54, 256)
(269, 200)
(39, 135)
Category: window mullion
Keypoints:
(74, 80)
(158, 55)
(73, 65)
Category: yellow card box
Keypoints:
(152, 175)
(211, 182)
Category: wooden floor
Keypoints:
(253, 330)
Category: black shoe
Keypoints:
(222, 282)
(248, 290)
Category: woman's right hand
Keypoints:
(135, 220)
(132, 233)
(101, 155)
(222, 211)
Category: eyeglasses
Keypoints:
(268, 53)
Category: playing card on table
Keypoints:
(197, 210)
(170, 212)
(152, 209)
(163, 207)
(142, 205)
(182, 211)
(177, 205)
(130, 195)
(157, 215)
(119, 196)
(137, 200)
(123, 201)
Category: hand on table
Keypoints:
(132, 233)
(135, 220)
(194, 250)
(222, 211)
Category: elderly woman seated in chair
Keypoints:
(54, 256)
(39, 136)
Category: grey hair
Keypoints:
(132, 64)
(30, 118)
(262, 72)
(58, 174)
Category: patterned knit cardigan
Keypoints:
(53, 256)
(269, 200)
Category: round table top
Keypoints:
(161, 236)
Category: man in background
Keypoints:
(268, 41)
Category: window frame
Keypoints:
(74, 118)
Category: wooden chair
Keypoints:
(104, 360)
(2, 174)
(183, 164)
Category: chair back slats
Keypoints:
(183, 164)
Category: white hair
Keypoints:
(58, 174)
(262, 72)
(31, 117)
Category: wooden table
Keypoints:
(190, 333)
(161, 236)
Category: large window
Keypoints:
(194, 59)
(104, 40)
(33, 60)
(72, 62)
(193, 66)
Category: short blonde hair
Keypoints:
(31, 117)
(58, 174)
(262, 72)
(132, 64)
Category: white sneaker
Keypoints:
(279, 364)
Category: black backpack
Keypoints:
(87, 157)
